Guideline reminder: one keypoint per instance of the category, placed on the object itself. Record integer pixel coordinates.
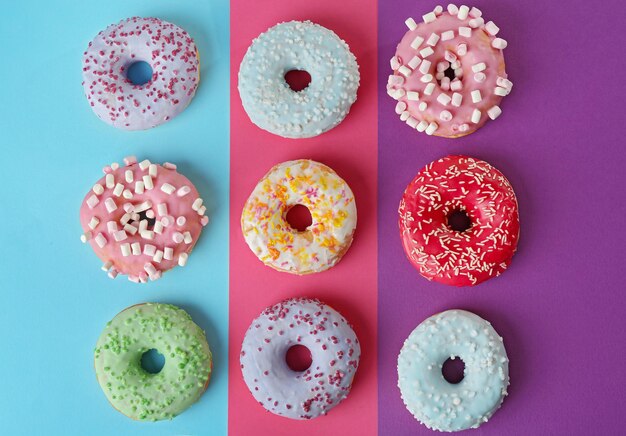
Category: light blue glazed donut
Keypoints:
(269, 101)
(432, 400)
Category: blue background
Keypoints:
(54, 299)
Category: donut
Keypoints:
(333, 213)
(142, 219)
(335, 353)
(437, 403)
(298, 45)
(477, 192)
(448, 72)
(171, 53)
(134, 391)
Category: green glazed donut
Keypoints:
(137, 393)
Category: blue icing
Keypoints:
(437, 403)
(296, 45)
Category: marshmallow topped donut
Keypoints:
(305, 46)
(448, 72)
(142, 219)
(171, 53)
(333, 211)
(459, 221)
(335, 353)
(437, 403)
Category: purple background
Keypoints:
(560, 306)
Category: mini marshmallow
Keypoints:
(178, 237)
(143, 206)
(414, 62)
(429, 17)
(463, 12)
(125, 218)
(128, 175)
(98, 189)
(169, 166)
(438, 10)
(120, 235)
(158, 256)
(476, 22)
(461, 49)
(147, 182)
(422, 126)
(410, 23)
(457, 99)
(476, 97)
(86, 237)
(456, 85)
(500, 91)
(158, 227)
(167, 221)
(445, 115)
(112, 227)
(423, 106)
(480, 77)
(150, 214)
(477, 68)
(426, 51)
(150, 269)
(400, 107)
(202, 210)
(168, 253)
(405, 71)
(465, 31)
(129, 160)
(162, 209)
(204, 220)
(455, 65)
(143, 225)
(453, 9)
(181, 220)
(505, 83)
(443, 66)
(136, 248)
(440, 75)
(187, 239)
(92, 201)
(429, 89)
(119, 188)
(412, 122)
(433, 39)
(491, 28)
(93, 223)
(149, 249)
(412, 95)
(100, 240)
(110, 204)
(147, 234)
(444, 99)
(404, 116)
(196, 204)
(129, 228)
(144, 164)
(127, 194)
(139, 187)
(110, 181)
(475, 12)
(432, 128)
(476, 116)
(182, 259)
(494, 112)
(395, 63)
(125, 249)
(112, 273)
(458, 73)
(447, 35)
(152, 170)
(115, 166)
(417, 42)
(392, 80)
(463, 128)
(106, 266)
(426, 78)
(167, 188)
(445, 83)
(425, 66)
(449, 56)
(499, 43)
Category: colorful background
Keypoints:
(560, 306)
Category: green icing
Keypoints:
(137, 393)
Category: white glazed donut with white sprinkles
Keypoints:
(335, 353)
(173, 57)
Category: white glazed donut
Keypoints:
(432, 400)
(171, 53)
(335, 353)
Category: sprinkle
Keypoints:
(429, 17)
(110, 181)
(494, 112)
(405, 71)
(152, 170)
(432, 127)
(168, 253)
(400, 107)
(110, 204)
(501, 91)
(479, 67)
(425, 66)
(423, 106)
(453, 9)
(119, 188)
(167, 188)
(426, 51)
(111, 227)
(182, 259)
(426, 78)
(158, 256)
(416, 42)
(100, 240)
(414, 62)
(447, 35)
(129, 176)
(476, 116)
(129, 160)
(202, 210)
(499, 43)
(461, 49)
(86, 237)
(476, 97)
(433, 39)
(125, 248)
(476, 22)
(120, 235)
(491, 28)
(178, 237)
(196, 204)
(480, 77)
(422, 126)
(144, 164)
(457, 99)
(187, 238)
(412, 95)
(444, 99)
(92, 201)
(136, 247)
(98, 189)
(149, 249)
(445, 116)
(410, 23)
(456, 85)
(463, 11)
(147, 182)
(139, 187)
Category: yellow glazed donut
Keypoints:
(333, 211)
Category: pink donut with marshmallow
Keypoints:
(170, 52)
(142, 219)
(448, 72)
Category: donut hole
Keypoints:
(152, 361)
(299, 217)
(297, 79)
(449, 73)
(459, 221)
(139, 73)
(453, 370)
(298, 358)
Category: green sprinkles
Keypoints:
(171, 331)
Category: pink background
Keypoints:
(350, 287)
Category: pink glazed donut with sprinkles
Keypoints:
(142, 219)
(448, 72)
(335, 354)
(171, 53)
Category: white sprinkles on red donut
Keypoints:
(448, 72)
(171, 53)
(142, 219)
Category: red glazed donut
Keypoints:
(459, 221)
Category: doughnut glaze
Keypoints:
(298, 45)
(475, 188)
(333, 211)
(142, 219)
(137, 393)
(171, 53)
(457, 40)
(335, 353)
(432, 400)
